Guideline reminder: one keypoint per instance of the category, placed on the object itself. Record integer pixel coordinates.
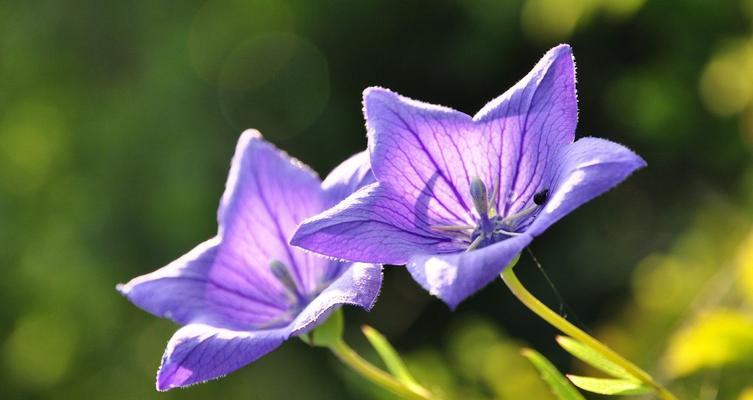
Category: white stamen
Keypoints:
(500, 230)
(451, 227)
(475, 243)
(510, 219)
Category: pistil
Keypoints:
(283, 274)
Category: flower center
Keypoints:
(491, 228)
(281, 271)
(296, 299)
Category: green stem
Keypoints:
(525, 297)
(377, 376)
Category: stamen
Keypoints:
(479, 195)
(510, 223)
(505, 232)
(451, 228)
(475, 243)
(493, 200)
(283, 275)
(510, 219)
(491, 227)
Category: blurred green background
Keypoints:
(118, 121)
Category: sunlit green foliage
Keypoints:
(715, 339)
(561, 388)
(609, 386)
(389, 356)
(593, 358)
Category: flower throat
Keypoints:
(491, 227)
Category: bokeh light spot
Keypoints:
(32, 144)
(747, 394)
(648, 105)
(727, 83)
(622, 8)
(714, 339)
(40, 350)
(277, 83)
(551, 20)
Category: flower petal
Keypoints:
(423, 151)
(528, 124)
(267, 195)
(197, 353)
(587, 168)
(184, 292)
(359, 285)
(373, 225)
(454, 277)
(351, 175)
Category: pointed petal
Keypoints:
(197, 353)
(454, 277)
(184, 291)
(423, 151)
(528, 124)
(267, 195)
(359, 285)
(587, 168)
(374, 225)
(351, 175)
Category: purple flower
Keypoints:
(458, 197)
(242, 293)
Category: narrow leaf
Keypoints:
(389, 355)
(609, 386)
(560, 387)
(593, 358)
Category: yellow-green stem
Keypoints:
(377, 376)
(517, 289)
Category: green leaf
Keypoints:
(560, 387)
(609, 386)
(593, 358)
(389, 355)
(328, 333)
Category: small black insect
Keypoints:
(541, 197)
